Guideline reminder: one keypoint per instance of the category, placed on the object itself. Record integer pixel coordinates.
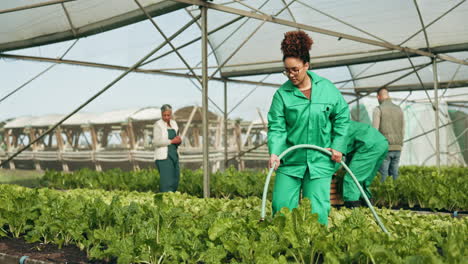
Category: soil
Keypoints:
(45, 252)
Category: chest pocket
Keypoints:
(323, 113)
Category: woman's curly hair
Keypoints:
(296, 44)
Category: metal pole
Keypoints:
(167, 39)
(436, 111)
(284, 22)
(357, 110)
(3, 11)
(432, 130)
(225, 127)
(206, 169)
(132, 68)
(392, 81)
(35, 77)
(124, 68)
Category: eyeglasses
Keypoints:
(294, 70)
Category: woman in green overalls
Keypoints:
(307, 109)
(166, 157)
(365, 152)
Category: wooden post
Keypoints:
(219, 128)
(95, 148)
(238, 133)
(132, 142)
(76, 139)
(247, 134)
(189, 121)
(105, 135)
(58, 136)
(261, 118)
(32, 136)
(196, 137)
(9, 145)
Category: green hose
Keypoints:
(267, 182)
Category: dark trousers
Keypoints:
(390, 165)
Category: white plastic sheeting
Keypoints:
(112, 117)
(48, 24)
(419, 119)
(394, 22)
(250, 46)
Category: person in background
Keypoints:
(388, 119)
(307, 109)
(366, 149)
(166, 141)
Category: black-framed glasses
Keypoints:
(294, 71)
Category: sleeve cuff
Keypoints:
(339, 147)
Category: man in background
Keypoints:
(388, 119)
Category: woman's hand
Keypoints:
(177, 140)
(336, 155)
(272, 160)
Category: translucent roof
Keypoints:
(382, 22)
(24, 27)
(373, 39)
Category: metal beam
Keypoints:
(343, 22)
(436, 112)
(377, 74)
(131, 17)
(414, 87)
(422, 25)
(457, 105)
(246, 96)
(209, 99)
(166, 39)
(124, 68)
(246, 40)
(92, 98)
(214, 49)
(250, 7)
(319, 30)
(289, 11)
(26, 7)
(194, 40)
(206, 141)
(41, 73)
(459, 136)
(420, 80)
(432, 130)
(389, 83)
(355, 77)
(390, 55)
(225, 114)
(433, 21)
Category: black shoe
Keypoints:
(352, 204)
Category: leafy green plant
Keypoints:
(417, 186)
(132, 227)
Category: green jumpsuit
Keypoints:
(293, 119)
(366, 150)
(169, 170)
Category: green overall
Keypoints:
(294, 119)
(366, 150)
(169, 170)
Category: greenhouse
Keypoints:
(88, 84)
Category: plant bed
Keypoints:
(136, 227)
(416, 186)
(46, 252)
